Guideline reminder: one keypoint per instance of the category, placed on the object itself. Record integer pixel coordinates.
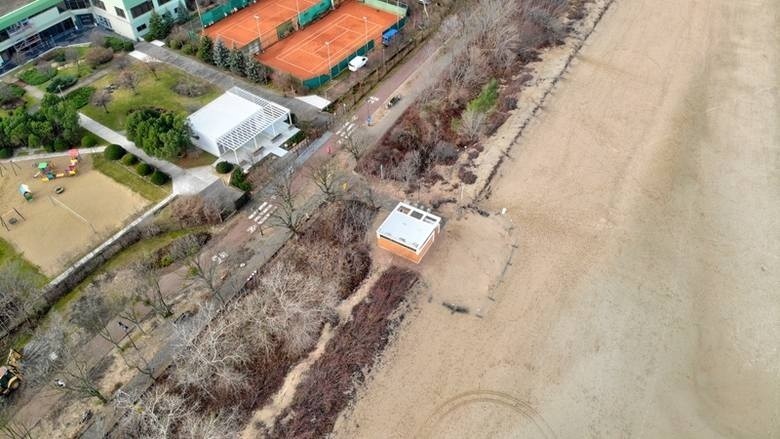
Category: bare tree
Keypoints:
(193, 210)
(356, 144)
(472, 123)
(155, 415)
(204, 272)
(210, 353)
(72, 55)
(101, 98)
(327, 177)
(95, 314)
(153, 68)
(128, 79)
(287, 213)
(18, 295)
(76, 376)
(147, 289)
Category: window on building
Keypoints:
(141, 28)
(103, 21)
(162, 2)
(137, 11)
(99, 4)
(76, 4)
(120, 12)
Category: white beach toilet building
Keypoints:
(242, 128)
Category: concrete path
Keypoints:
(184, 181)
(53, 155)
(225, 80)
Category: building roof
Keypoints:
(409, 226)
(236, 117)
(13, 11)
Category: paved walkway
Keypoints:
(184, 181)
(52, 155)
(225, 80)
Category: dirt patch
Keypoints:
(51, 236)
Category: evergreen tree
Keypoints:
(221, 55)
(256, 72)
(237, 62)
(159, 26)
(206, 50)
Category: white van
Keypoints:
(357, 62)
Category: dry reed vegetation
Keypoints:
(474, 96)
(231, 360)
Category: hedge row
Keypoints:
(116, 152)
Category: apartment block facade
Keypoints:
(37, 23)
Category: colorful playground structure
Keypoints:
(47, 172)
(26, 192)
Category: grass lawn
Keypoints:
(150, 92)
(195, 158)
(127, 176)
(28, 102)
(9, 255)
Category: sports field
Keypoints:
(242, 28)
(304, 54)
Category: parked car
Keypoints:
(394, 100)
(357, 62)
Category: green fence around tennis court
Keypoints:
(338, 68)
(313, 13)
(399, 9)
(215, 14)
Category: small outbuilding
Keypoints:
(242, 128)
(408, 232)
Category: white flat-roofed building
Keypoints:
(242, 128)
(408, 232)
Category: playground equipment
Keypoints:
(47, 172)
(26, 192)
(10, 377)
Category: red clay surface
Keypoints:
(304, 53)
(241, 28)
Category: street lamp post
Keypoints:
(330, 69)
(257, 24)
(365, 27)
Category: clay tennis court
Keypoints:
(304, 54)
(241, 28)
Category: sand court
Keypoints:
(52, 235)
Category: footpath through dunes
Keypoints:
(631, 289)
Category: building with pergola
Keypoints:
(242, 128)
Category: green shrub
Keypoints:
(60, 144)
(188, 49)
(88, 141)
(6, 153)
(224, 167)
(129, 159)
(114, 152)
(166, 261)
(10, 93)
(238, 179)
(159, 178)
(486, 99)
(61, 82)
(144, 169)
(37, 75)
(80, 96)
(117, 44)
